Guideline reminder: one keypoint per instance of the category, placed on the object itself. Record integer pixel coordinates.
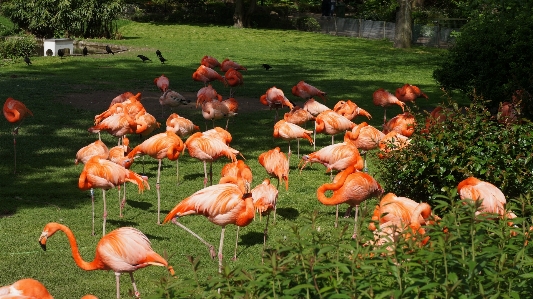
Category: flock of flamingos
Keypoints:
(233, 200)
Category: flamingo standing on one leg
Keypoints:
(409, 93)
(265, 197)
(228, 64)
(206, 74)
(276, 165)
(233, 78)
(307, 91)
(104, 174)
(274, 98)
(181, 125)
(210, 62)
(365, 138)
(123, 250)
(300, 117)
(351, 187)
(162, 83)
(15, 112)
(119, 155)
(289, 131)
(159, 146)
(222, 204)
(383, 98)
(350, 110)
(331, 123)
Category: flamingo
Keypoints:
(240, 170)
(118, 155)
(392, 141)
(132, 106)
(208, 149)
(307, 91)
(404, 124)
(227, 64)
(104, 174)
(15, 112)
(172, 99)
(27, 288)
(351, 187)
(298, 116)
(437, 116)
(383, 98)
(212, 110)
(220, 134)
(162, 83)
(350, 110)
(409, 93)
(276, 165)
(493, 200)
(314, 107)
(275, 98)
(331, 123)
(118, 124)
(265, 196)
(233, 78)
(206, 94)
(289, 131)
(123, 250)
(222, 204)
(146, 124)
(181, 125)
(206, 74)
(159, 146)
(210, 62)
(365, 137)
(121, 98)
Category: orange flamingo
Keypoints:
(493, 200)
(314, 107)
(298, 116)
(331, 123)
(220, 134)
(383, 98)
(265, 196)
(233, 78)
(206, 94)
(104, 174)
(404, 124)
(119, 155)
(274, 98)
(208, 149)
(233, 107)
(118, 125)
(240, 170)
(289, 131)
(276, 165)
(25, 289)
(159, 146)
(206, 75)
(337, 156)
(351, 187)
(409, 93)
(146, 124)
(97, 148)
(15, 112)
(210, 62)
(437, 116)
(132, 106)
(350, 110)
(123, 250)
(222, 204)
(227, 64)
(212, 110)
(121, 98)
(365, 138)
(307, 91)
(181, 125)
(162, 83)
(391, 142)
(172, 99)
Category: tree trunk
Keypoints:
(403, 33)
(250, 12)
(237, 16)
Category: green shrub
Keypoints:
(17, 46)
(493, 56)
(469, 143)
(307, 24)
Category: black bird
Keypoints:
(108, 50)
(266, 66)
(61, 53)
(158, 53)
(162, 59)
(144, 58)
(27, 60)
(85, 51)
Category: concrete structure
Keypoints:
(55, 44)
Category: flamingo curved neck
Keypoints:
(88, 266)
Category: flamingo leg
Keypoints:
(136, 292)
(289, 155)
(332, 141)
(210, 173)
(265, 233)
(314, 137)
(105, 213)
(205, 174)
(227, 122)
(92, 200)
(209, 246)
(117, 279)
(119, 202)
(158, 192)
(236, 243)
(355, 222)
(384, 117)
(123, 203)
(365, 169)
(336, 215)
(220, 246)
(298, 151)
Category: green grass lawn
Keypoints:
(45, 186)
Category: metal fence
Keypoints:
(440, 34)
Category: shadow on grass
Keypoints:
(288, 213)
(122, 223)
(140, 205)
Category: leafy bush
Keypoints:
(307, 24)
(17, 46)
(460, 260)
(493, 56)
(468, 143)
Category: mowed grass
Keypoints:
(45, 186)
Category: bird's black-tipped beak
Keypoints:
(43, 246)
(42, 241)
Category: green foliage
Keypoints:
(377, 10)
(307, 24)
(493, 57)
(60, 18)
(17, 46)
(468, 143)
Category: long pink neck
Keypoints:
(88, 266)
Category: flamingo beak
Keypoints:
(42, 240)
